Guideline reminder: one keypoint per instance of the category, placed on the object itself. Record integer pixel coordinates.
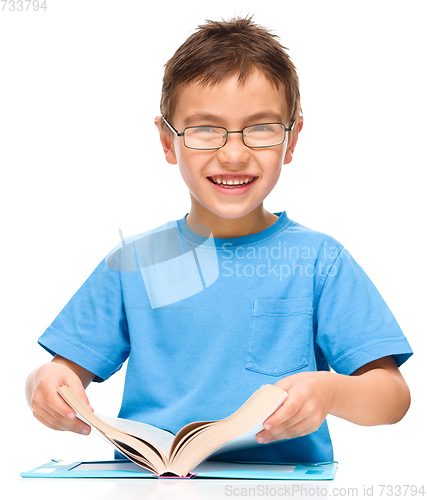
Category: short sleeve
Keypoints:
(92, 330)
(353, 324)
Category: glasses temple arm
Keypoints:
(170, 126)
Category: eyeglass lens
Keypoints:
(262, 135)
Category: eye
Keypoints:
(205, 130)
(261, 128)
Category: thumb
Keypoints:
(284, 384)
(74, 383)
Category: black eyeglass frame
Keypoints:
(227, 132)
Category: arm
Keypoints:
(380, 394)
(374, 394)
(47, 405)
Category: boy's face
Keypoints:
(232, 106)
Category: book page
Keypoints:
(234, 432)
(248, 439)
(137, 448)
(160, 438)
(216, 466)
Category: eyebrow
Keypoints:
(208, 118)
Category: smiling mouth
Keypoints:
(237, 182)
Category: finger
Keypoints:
(49, 420)
(300, 429)
(301, 424)
(75, 384)
(51, 399)
(285, 412)
(270, 434)
(80, 392)
(55, 401)
(41, 407)
(46, 423)
(58, 422)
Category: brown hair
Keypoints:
(223, 48)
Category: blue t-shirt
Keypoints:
(204, 322)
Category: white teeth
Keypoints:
(230, 182)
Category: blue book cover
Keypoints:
(210, 469)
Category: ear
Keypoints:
(166, 140)
(293, 139)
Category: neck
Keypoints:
(221, 227)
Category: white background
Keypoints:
(80, 157)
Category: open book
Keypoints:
(164, 453)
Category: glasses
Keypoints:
(262, 135)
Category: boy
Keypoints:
(210, 307)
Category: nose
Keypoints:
(234, 152)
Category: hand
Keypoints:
(48, 406)
(310, 398)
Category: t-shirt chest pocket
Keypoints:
(280, 336)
